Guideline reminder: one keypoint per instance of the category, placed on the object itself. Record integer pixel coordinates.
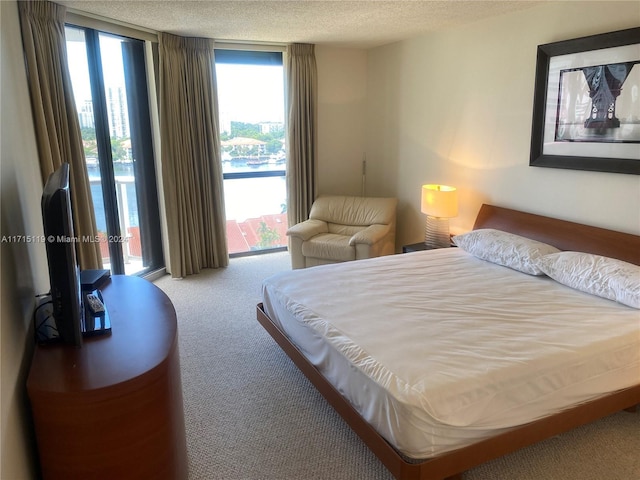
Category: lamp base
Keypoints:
(437, 233)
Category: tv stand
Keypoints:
(112, 408)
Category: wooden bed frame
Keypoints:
(565, 236)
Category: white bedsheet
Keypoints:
(437, 349)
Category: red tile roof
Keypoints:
(244, 236)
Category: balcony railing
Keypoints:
(256, 214)
(256, 210)
(128, 219)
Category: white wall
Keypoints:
(454, 107)
(342, 90)
(23, 265)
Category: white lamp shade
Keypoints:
(440, 201)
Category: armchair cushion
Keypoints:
(355, 211)
(329, 246)
(370, 235)
(307, 229)
(344, 228)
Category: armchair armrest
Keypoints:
(370, 235)
(307, 229)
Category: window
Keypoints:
(109, 84)
(252, 131)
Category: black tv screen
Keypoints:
(64, 272)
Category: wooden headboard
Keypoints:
(561, 234)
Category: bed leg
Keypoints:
(457, 476)
(633, 409)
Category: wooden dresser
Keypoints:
(113, 407)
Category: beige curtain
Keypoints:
(55, 117)
(191, 164)
(302, 100)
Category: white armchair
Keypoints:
(342, 228)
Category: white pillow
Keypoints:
(602, 276)
(505, 249)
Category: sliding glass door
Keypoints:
(109, 83)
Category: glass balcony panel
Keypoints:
(256, 213)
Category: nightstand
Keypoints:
(417, 247)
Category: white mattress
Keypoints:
(438, 349)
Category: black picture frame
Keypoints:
(618, 157)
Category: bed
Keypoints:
(472, 396)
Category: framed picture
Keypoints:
(586, 106)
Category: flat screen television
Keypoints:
(64, 272)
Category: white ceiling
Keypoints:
(356, 24)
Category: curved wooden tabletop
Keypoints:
(144, 331)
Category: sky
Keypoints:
(250, 93)
(246, 93)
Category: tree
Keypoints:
(273, 146)
(118, 150)
(241, 129)
(268, 236)
(89, 143)
(88, 133)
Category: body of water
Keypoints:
(124, 177)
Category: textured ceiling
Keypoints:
(357, 24)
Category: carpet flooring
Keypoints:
(251, 415)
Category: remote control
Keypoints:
(95, 305)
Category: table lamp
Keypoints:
(439, 203)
